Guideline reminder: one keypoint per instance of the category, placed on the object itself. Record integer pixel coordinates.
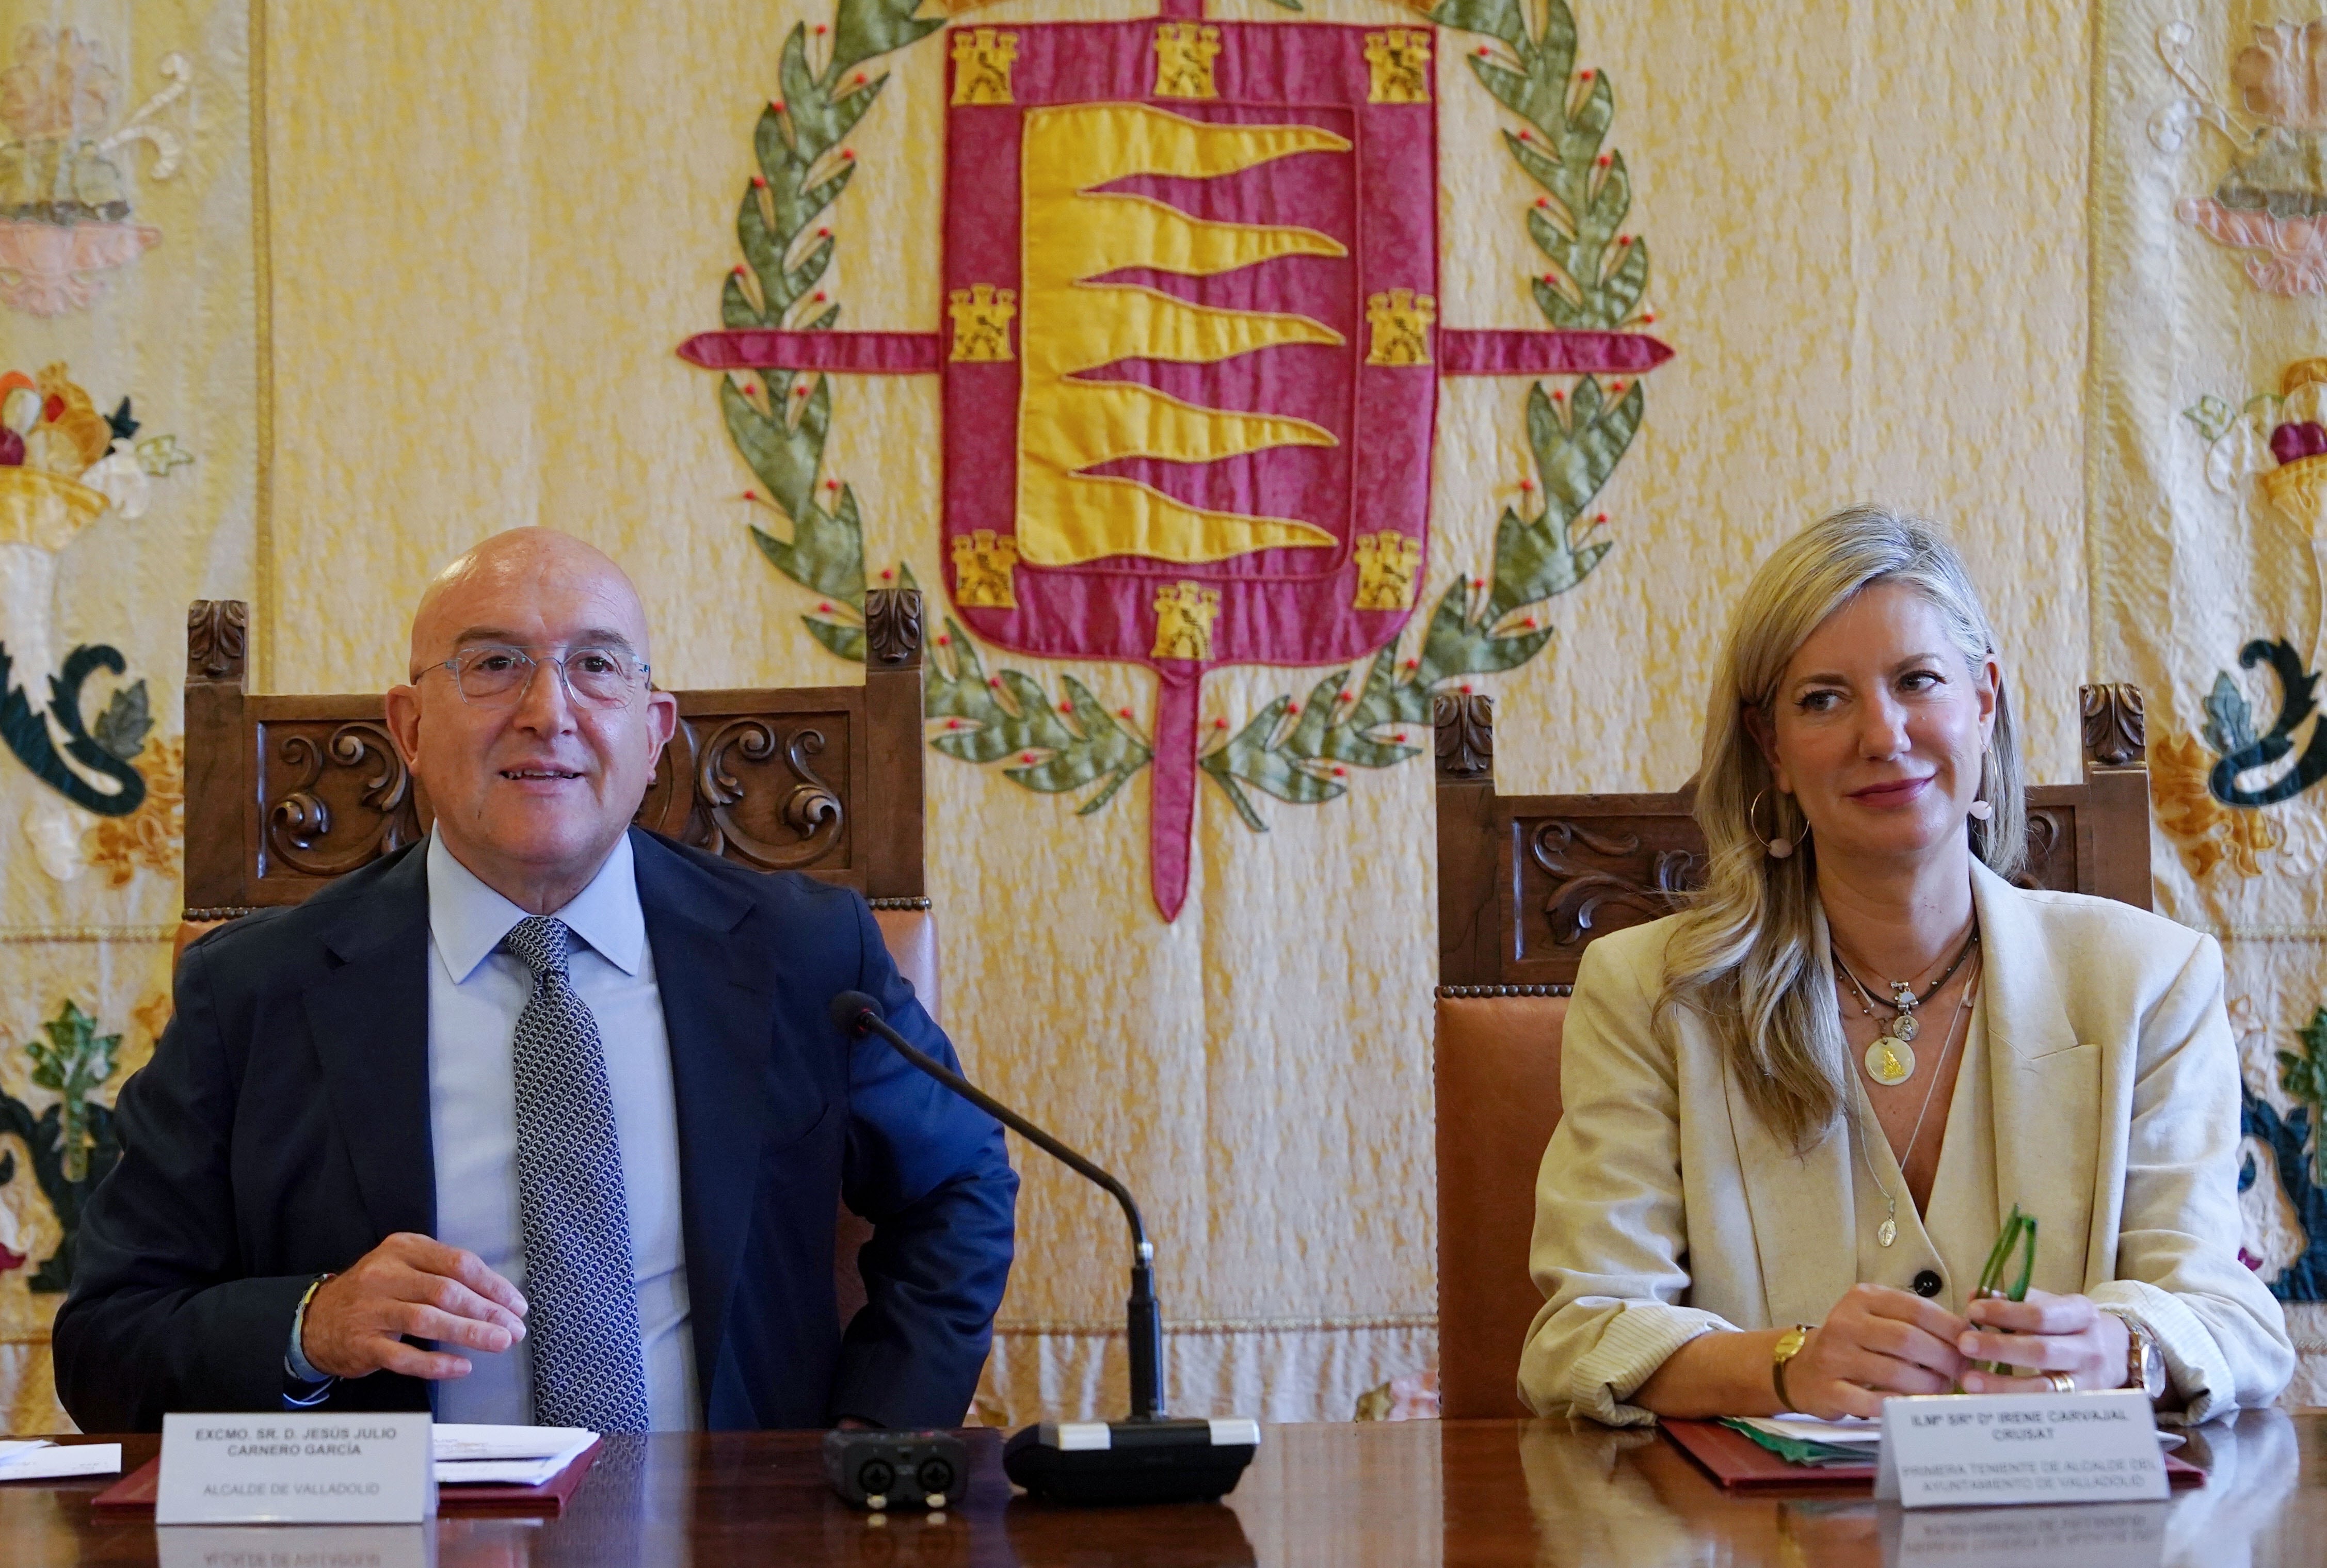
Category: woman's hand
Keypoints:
(2044, 1334)
(1876, 1342)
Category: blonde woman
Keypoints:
(1796, 1112)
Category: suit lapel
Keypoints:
(715, 975)
(368, 1015)
(1803, 1218)
(2044, 1083)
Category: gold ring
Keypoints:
(2062, 1382)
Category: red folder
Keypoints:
(133, 1494)
(1741, 1465)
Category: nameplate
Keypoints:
(295, 1546)
(304, 1469)
(1949, 1450)
(2052, 1535)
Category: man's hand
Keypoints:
(416, 1286)
(1876, 1342)
(2045, 1333)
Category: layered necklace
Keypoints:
(1888, 1231)
(1891, 1059)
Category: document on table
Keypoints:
(40, 1459)
(1850, 1432)
(510, 1456)
(1855, 1432)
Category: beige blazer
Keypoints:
(2106, 1102)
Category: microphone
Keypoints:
(1149, 1458)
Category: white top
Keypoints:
(475, 993)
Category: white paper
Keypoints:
(465, 1441)
(1850, 1430)
(1858, 1431)
(32, 1462)
(1954, 1450)
(515, 1471)
(498, 1473)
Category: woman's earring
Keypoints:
(1775, 848)
(1980, 807)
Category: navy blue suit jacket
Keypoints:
(283, 1129)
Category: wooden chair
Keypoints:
(285, 793)
(1524, 883)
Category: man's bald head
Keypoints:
(472, 600)
(531, 785)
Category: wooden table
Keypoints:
(1399, 1495)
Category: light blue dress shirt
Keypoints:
(475, 993)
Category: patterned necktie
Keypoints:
(584, 1317)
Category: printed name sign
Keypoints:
(2054, 1535)
(307, 1469)
(300, 1546)
(1948, 1450)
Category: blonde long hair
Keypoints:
(1746, 954)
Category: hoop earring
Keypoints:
(1981, 809)
(1777, 848)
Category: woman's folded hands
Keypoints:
(1876, 1341)
(1879, 1342)
(2042, 1335)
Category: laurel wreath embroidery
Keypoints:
(1594, 278)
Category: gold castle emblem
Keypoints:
(1184, 613)
(1401, 321)
(982, 59)
(983, 565)
(1184, 53)
(1387, 565)
(1399, 60)
(981, 323)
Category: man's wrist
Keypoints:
(295, 1364)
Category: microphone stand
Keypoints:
(1161, 1461)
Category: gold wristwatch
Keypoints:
(2144, 1363)
(1789, 1346)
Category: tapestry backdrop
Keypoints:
(1498, 358)
(129, 476)
(2208, 457)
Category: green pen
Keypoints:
(2019, 1233)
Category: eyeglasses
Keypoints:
(499, 677)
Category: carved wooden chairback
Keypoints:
(285, 793)
(1524, 883)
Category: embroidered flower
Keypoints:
(2240, 453)
(2206, 831)
(152, 835)
(58, 89)
(53, 829)
(66, 405)
(119, 478)
(2282, 76)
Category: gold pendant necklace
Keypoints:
(1888, 1231)
(1890, 1059)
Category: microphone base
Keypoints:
(1117, 1463)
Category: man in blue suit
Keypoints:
(542, 1120)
